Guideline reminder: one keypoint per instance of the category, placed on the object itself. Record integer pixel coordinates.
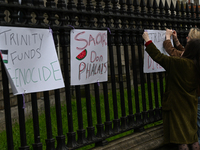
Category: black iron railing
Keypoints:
(125, 22)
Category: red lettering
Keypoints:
(99, 69)
(97, 58)
(105, 65)
(101, 58)
(94, 57)
(81, 69)
(102, 68)
(88, 71)
(84, 40)
(149, 63)
(98, 38)
(91, 39)
(104, 37)
(101, 38)
(93, 53)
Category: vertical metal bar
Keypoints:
(161, 93)
(182, 28)
(116, 121)
(7, 109)
(108, 123)
(37, 145)
(172, 16)
(156, 14)
(99, 9)
(100, 126)
(156, 26)
(139, 42)
(91, 129)
(22, 123)
(51, 15)
(64, 38)
(39, 18)
(120, 78)
(183, 18)
(151, 113)
(167, 15)
(150, 14)
(142, 79)
(14, 15)
(143, 14)
(60, 138)
(197, 15)
(61, 5)
(178, 18)
(2, 13)
(135, 79)
(161, 15)
(156, 96)
(131, 117)
(81, 17)
(161, 84)
(81, 132)
(107, 9)
(50, 4)
(144, 26)
(149, 82)
(189, 19)
(25, 16)
(50, 142)
(91, 135)
(71, 6)
(128, 81)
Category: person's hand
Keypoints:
(175, 38)
(145, 36)
(168, 34)
(174, 33)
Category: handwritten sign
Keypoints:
(88, 56)
(30, 59)
(157, 37)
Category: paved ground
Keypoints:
(168, 147)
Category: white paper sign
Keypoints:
(157, 37)
(30, 59)
(88, 56)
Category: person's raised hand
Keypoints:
(175, 38)
(145, 36)
(174, 33)
(168, 34)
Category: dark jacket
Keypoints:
(172, 51)
(179, 102)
